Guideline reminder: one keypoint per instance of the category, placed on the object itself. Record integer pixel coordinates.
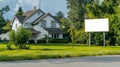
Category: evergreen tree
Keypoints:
(76, 16)
(19, 12)
(59, 15)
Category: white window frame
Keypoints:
(53, 24)
(43, 23)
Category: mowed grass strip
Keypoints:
(55, 51)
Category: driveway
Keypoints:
(99, 61)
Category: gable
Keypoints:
(32, 15)
(15, 24)
(43, 17)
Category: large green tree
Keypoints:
(76, 16)
(79, 10)
(110, 9)
(2, 20)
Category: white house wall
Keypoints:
(42, 31)
(48, 22)
(15, 22)
(4, 36)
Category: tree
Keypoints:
(4, 10)
(112, 11)
(19, 12)
(77, 12)
(76, 16)
(59, 15)
(7, 27)
(2, 20)
(20, 37)
(2, 23)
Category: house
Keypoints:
(40, 24)
(4, 36)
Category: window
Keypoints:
(28, 25)
(43, 23)
(53, 24)
(39, 13)
(55, 36)
(16, 26)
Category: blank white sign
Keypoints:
(97, 25)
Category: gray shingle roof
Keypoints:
(42, 17)
(20, 18)
(27, 14)
(33, 31)
(54, 30)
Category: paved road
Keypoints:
(100, 61)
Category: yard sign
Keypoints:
(96, 25)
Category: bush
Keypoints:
(19, 37)
(31, 41)
(41, 41)
(58, 41)
(4, 41)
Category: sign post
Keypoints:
(89, 39)
(104, 38)
(97, 25)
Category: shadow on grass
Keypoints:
(48, 49)
(58, 44)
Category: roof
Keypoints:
(54, 30)
(30, 13)
(42, 17)
(20, 18)
(33, 31)
(27, 14)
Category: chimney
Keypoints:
(34, 7)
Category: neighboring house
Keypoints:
(39, 23)
(4, 36)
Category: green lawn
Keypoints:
(55, 51)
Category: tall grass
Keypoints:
(55, 51)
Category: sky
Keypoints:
(48, 6)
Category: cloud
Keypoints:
(16, 7)
(1, 1)
(25, 3)
(31, 3)
(51, 6)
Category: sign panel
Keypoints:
(97, 25)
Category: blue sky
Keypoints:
(51, 6)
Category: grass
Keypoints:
(55, 51)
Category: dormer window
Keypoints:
(39, 12)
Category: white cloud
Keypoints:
(20, 2)
(16, 7)
(1, 1)
(28, 2)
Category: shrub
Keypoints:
(58, 41)
(19, 37)
(41, 41)
(31, 41)
(4, 41)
